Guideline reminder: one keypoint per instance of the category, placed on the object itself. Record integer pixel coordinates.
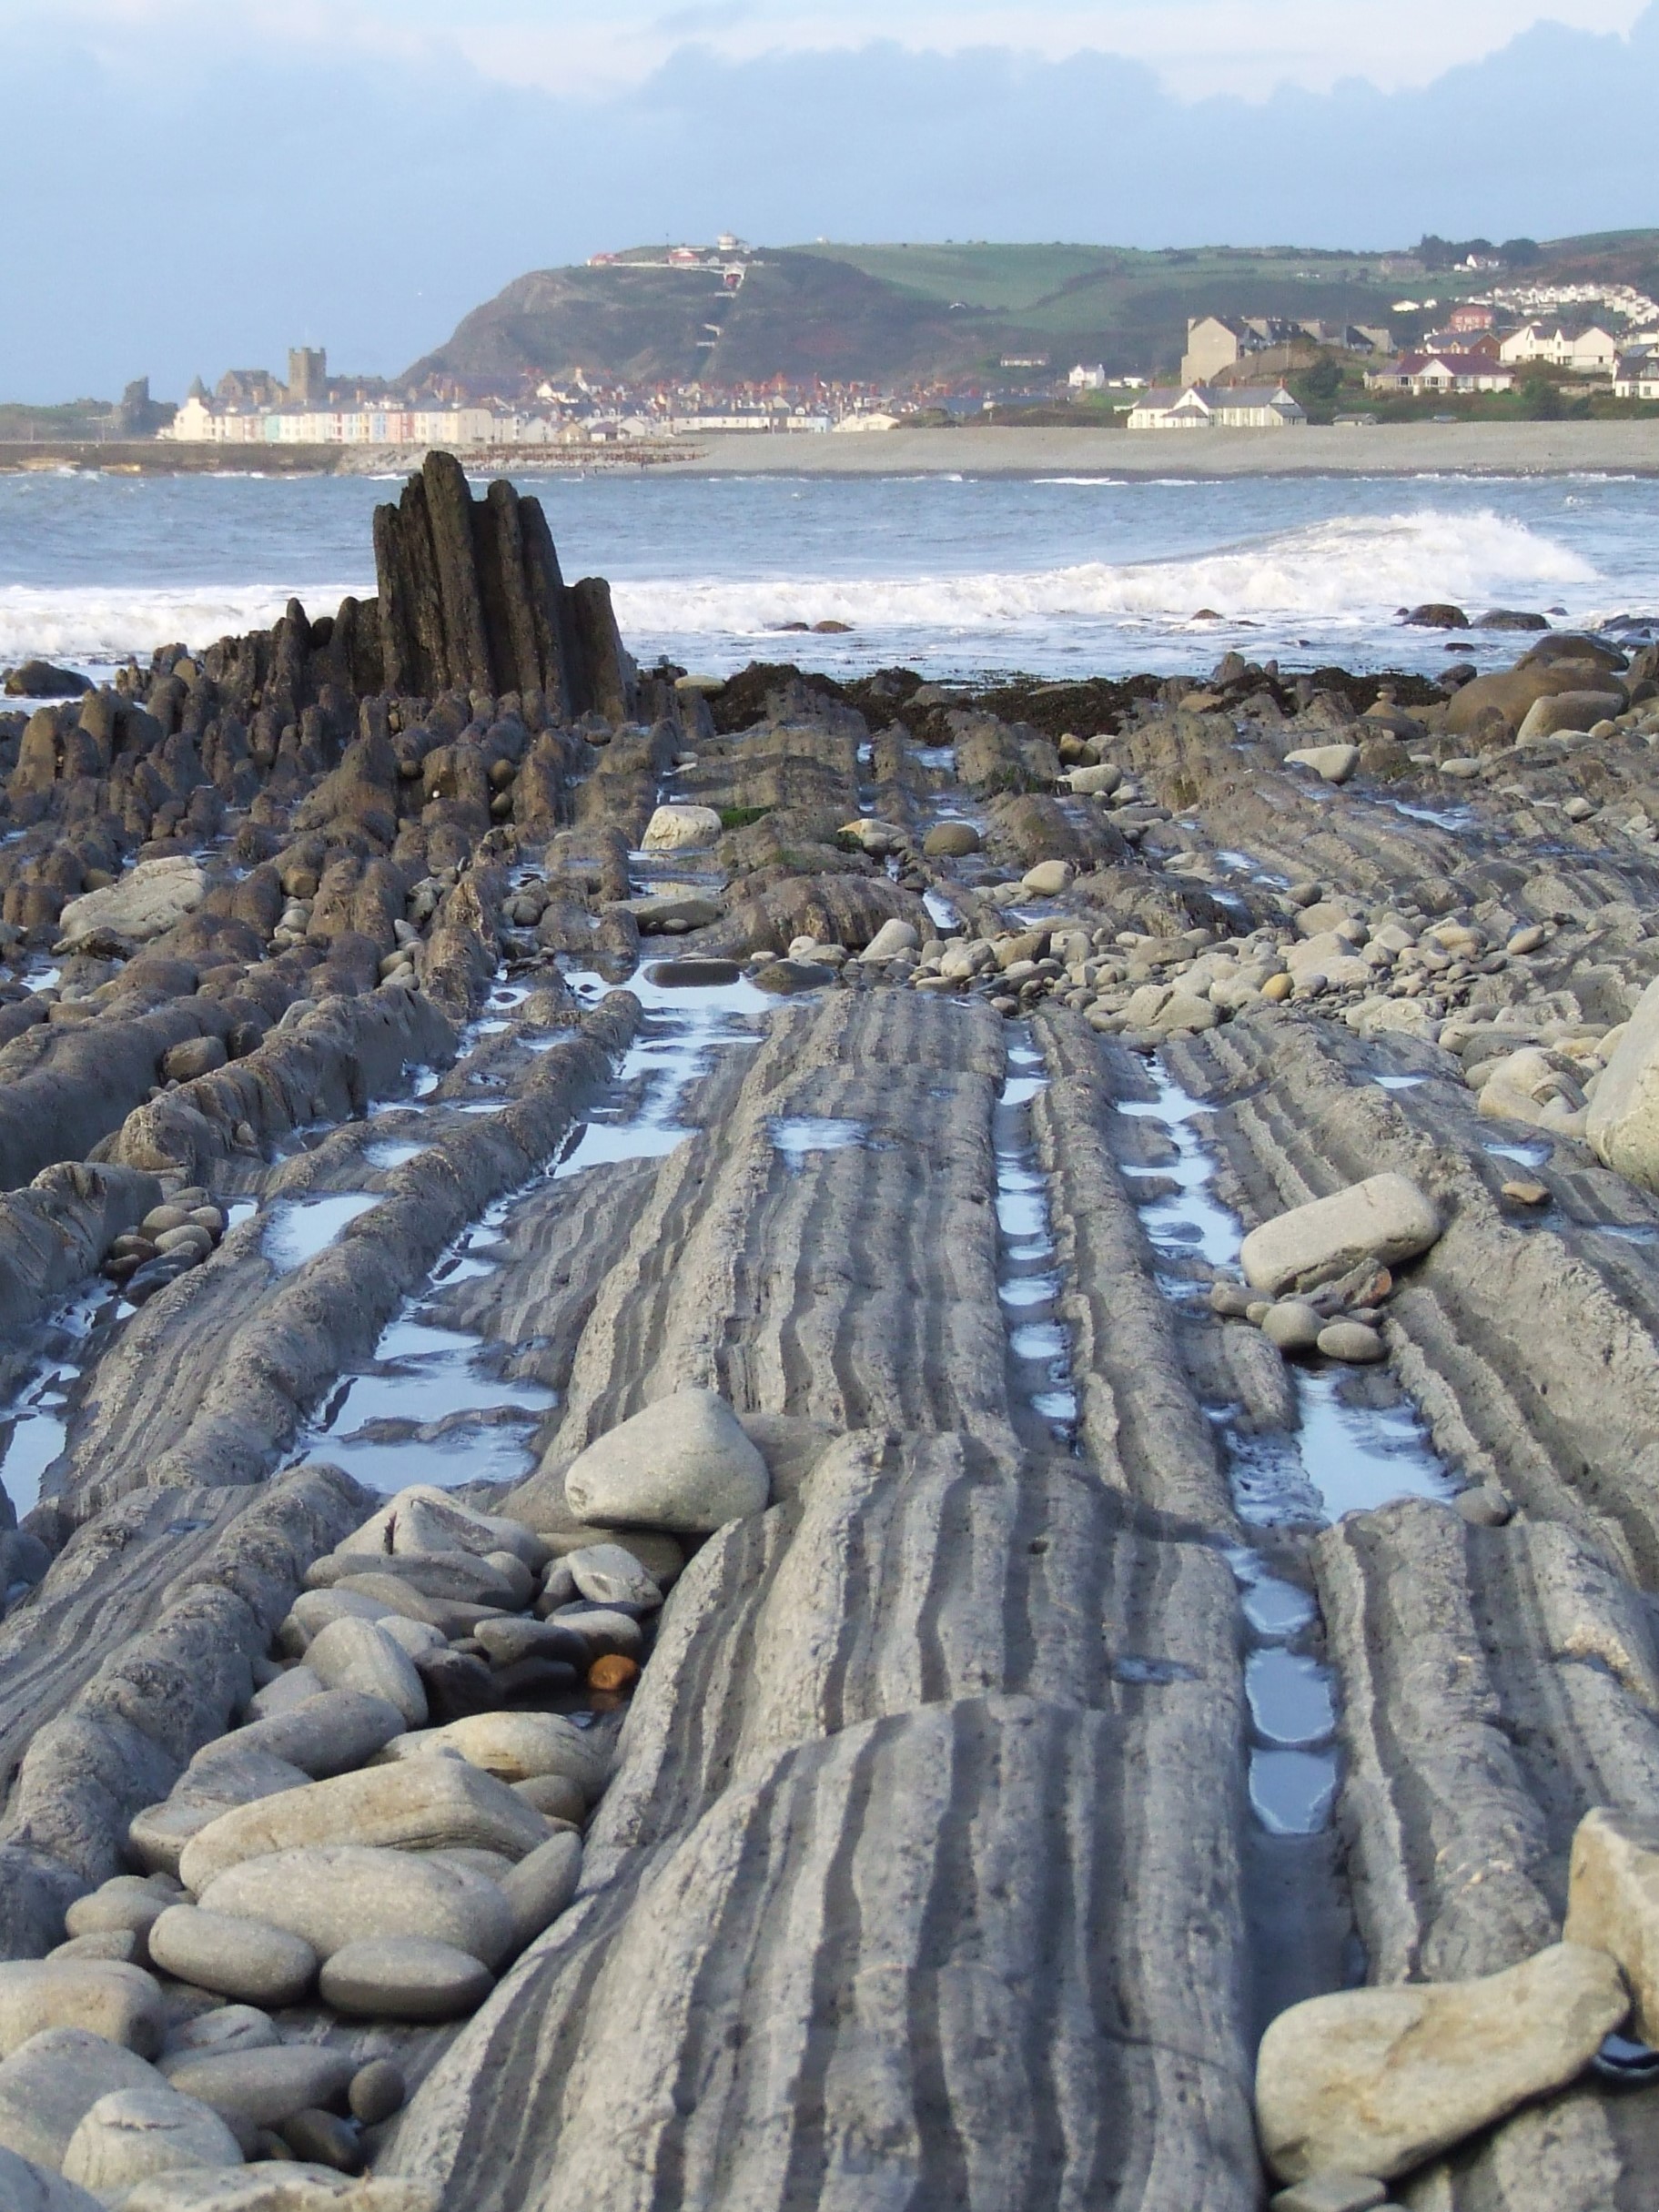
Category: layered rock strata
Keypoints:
(851, 1778)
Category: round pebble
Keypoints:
(557, 1795)
(239, 1958)
(1524, 1192)
(1292, 1326)
(320, 2138)
(1353, 1341)
(404, 1977)
(614, 1671)
(1485, 1506)
(378, 2090)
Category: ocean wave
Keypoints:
(1347, 571)
(1349, 574)
(101, 623)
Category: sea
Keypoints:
(1056, 576)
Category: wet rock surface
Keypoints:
(774, 1441)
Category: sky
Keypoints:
(190, 186)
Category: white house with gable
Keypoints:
(1205, 407)
(1592, 352)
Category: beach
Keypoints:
(1475, 449)
(1485, 448)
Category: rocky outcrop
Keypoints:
(472, 598)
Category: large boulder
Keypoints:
(337, 1896)
(1612, 1903)
(105, 1996)
(263, 2088)
(673, 829)
(1335, 764)
(1568, 710)
(431, 1805)
(1623, 1123)
(44, 679)
(405, 1977)
(152, 899)
(426, 1519)
(48, 2087)
(131, 2134)
(27, 2188)
(1513, 691)
(1376, 2081)
(540, 1887)
(1386, 1218)
(514, 1747)
(237, 1958)
(326, 1734)
(684, 1463)
(360, 1655)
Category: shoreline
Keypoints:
(1488, 449)
(1473, 449)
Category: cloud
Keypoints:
(570, 48)
(176, 205)
(690, 22)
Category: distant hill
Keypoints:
(797, 315)
(880, 314)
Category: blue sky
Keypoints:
(190, 185)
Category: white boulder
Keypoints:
(1336, 763)
(1377, 2081)
(684, 1463)
(1623, 1123)
(131, 2134)
(157, 894)
(672, 828)
(1386, 1218)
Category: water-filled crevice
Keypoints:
(1042, 1392)
(432, 1404)
(1351, 1448)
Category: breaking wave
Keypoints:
(99, 623)
(1358, 571)
(1343, 580)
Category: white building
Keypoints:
(199, 421)
(1200, 407)
(1429, 373)
(1591, 352)
(1637, 374)
(1085, 378)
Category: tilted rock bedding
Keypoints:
(779, 1730)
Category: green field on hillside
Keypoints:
(1019, 280)
(1008, 280)
(1128, 308)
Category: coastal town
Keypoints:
(1556, 344)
